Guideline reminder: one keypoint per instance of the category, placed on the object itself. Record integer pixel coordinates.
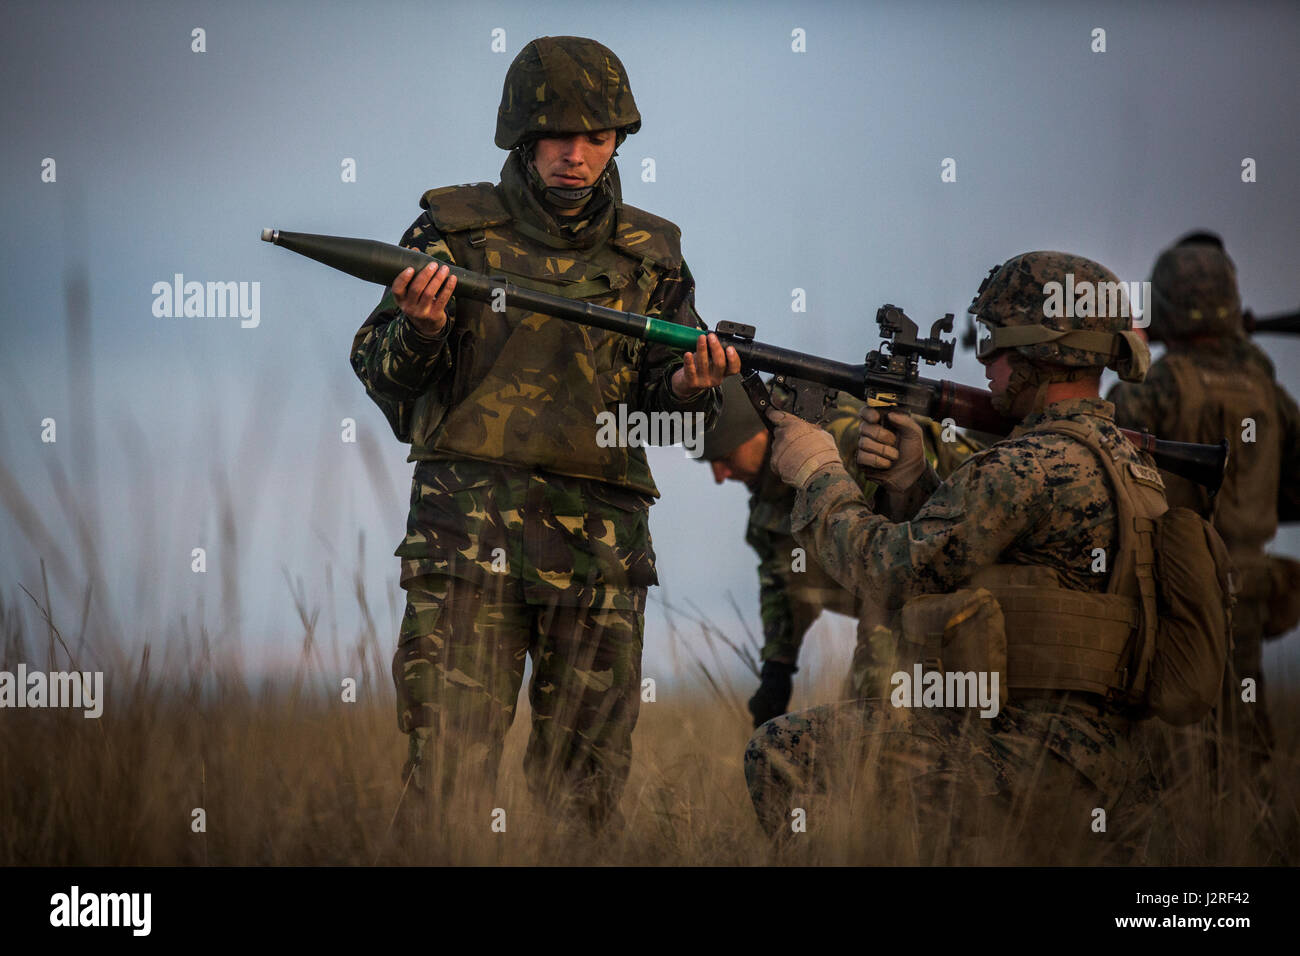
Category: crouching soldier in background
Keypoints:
(793, 588)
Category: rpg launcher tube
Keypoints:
(380, 262)
(973, 408)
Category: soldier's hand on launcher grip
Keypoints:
(892, 458)
(801, 450)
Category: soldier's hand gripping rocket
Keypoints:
(423, 296)
(706, 367)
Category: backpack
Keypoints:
(1175, 565)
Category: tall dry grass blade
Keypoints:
(11, 626)
(700, 620)
(81, 390)
(229, 557)
(29, 523)
(369, 638)
(85, 617)
(111, 641)
(49, 620)
(754, 646)
(53, 629)
(307, 620)
(727, 694)
(746, 656)
(383, 841)
(709, 632)
(330, 596)
(142, 675)
(145, 506)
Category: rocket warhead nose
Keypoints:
(268, 235)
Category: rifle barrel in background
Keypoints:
(938, 399)
(1285, 322)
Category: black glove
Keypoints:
(773, 694)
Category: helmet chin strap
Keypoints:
(1026, 376)
(558, 197)
(1023, 376)
(568, 197)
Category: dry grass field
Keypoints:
(290, 774)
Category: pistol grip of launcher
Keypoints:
(759, 396)
(884, 406)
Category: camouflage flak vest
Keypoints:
(526, 388)
(1215, 404)
(1155, 643)
(1059, 639)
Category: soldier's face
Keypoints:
(998, 372)
(571, 162)
(744, 462)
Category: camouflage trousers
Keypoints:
(458, 670)
(1045, 781)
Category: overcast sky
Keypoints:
(817, 170)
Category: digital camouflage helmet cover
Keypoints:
(1194, 290)
(1027, 305)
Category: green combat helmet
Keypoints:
(1194, 290)
(1063, 315)
(561, 85)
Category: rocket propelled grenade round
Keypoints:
(886, 378)
(381, 263)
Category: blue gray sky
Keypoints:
(817, 170)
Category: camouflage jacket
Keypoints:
(1031, 499)
(501, 408)
(1039, 499)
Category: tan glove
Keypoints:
(800, 450)
(892, 458)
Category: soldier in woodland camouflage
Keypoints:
(1214, 383)
(793, 593)
(1033, 511)
(525, 536)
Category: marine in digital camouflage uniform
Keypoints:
(1035, 505)
(525, 537)
(1210, 382)
(791, 600)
